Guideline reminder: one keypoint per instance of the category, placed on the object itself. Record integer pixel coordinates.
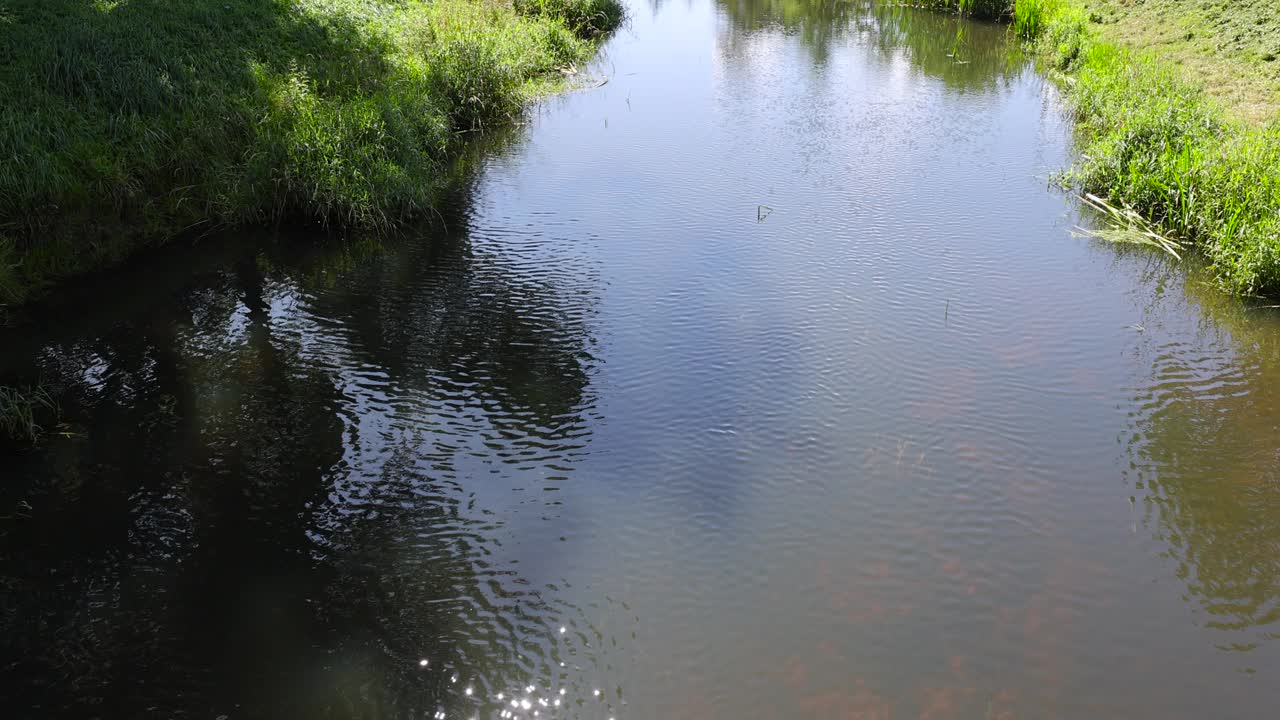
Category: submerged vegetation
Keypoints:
(126, 123)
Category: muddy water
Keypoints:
(766, 380)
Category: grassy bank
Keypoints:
(128, 122)
(1155, 141)
(1196, 164)
(1232, 48)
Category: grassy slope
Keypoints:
(1232, 46)
(124, 122)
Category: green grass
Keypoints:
(128, 122)
(1233, 46)
(587, 18)
(20, 410)
(1030, 16)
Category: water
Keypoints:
(767, 380)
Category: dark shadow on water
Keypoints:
(261, 503)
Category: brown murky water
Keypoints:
(765, 381)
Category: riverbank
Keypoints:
(1154, 140)
(961, 453)
(1182, 142)
(126, 124)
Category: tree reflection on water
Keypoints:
(259, 502)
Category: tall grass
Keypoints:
(1030, 16)
(585, 17)
(20, 410)
(123, 123)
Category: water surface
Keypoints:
(767, 380)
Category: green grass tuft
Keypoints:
(20, 410)
(1030, 16)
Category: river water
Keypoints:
(767, 380)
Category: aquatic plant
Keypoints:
(1124, 225)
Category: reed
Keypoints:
(1028, 17)
(1125, 225)
(20, 411)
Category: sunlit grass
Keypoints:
(1029, 17)
(125, 123)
